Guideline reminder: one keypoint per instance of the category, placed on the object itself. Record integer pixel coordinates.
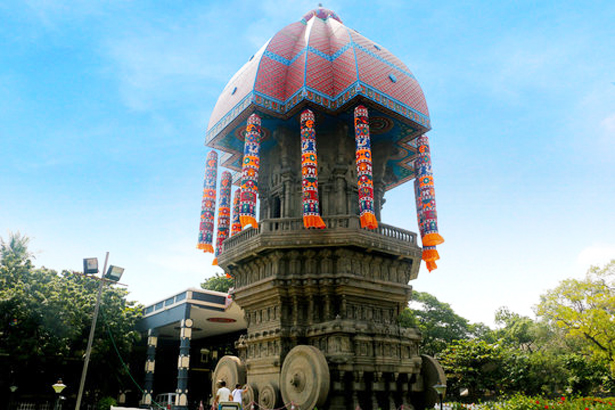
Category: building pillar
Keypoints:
(183, 364)
(150, 364)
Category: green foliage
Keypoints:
(585, 309)
(522, 355)
(105, 403)
(481, 367)
(437, 321)
(219, 283)
(500, 368)
(45, 320)
(518, 331)
(523, 402)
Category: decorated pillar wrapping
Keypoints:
(426, 204)
(249, 172)
(309, 173)
(208, 206)
(224, 212)
(235, 223)
(364, 168)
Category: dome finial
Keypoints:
(322, 13)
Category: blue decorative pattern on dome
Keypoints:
(281, 59)
(385, 61)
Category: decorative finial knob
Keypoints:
(319, 4)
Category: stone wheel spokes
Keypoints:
(304, 379)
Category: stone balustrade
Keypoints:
(340, 229)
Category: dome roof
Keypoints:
(321, 62)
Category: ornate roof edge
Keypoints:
(307, 94)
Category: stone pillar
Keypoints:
(150, 364)
(183, 364)
(287, 206)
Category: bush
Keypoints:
(105, 403)
(521, 402)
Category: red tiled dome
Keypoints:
(322, 63)
(320, 60)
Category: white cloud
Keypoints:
(608, 126)
(598, 254)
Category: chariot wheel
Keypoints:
(231, 370)
(432, 373)
(250, 396)
(305, 379)
(268, 396)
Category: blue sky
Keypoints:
(104, 105)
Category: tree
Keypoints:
(437, 321)
(517, 330)
(219, 283)
(45, 319)
(585, 309)
(480, 367)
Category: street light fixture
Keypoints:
(58, 387)
(440, 389)
(13, 389)
(90, 265)
(114, 273)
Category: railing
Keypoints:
(47, 405)
(340, 223)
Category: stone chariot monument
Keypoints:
(317, 126)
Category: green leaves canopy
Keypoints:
(45, 319)
(436, 320)
(585, 309)
(219, 283)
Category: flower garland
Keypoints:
(208, 206)
(249, 172)
(309, 173)
(426, 204)
(224, 212)
(235, 223)
(364, 168)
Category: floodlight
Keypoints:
(90, 265)
(114, 273)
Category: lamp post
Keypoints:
(13, 389)
(90, 265)
(58, 387)
(440, 389)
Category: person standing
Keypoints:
(238, 394)
(223, 394)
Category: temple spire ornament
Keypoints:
(208, 205)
